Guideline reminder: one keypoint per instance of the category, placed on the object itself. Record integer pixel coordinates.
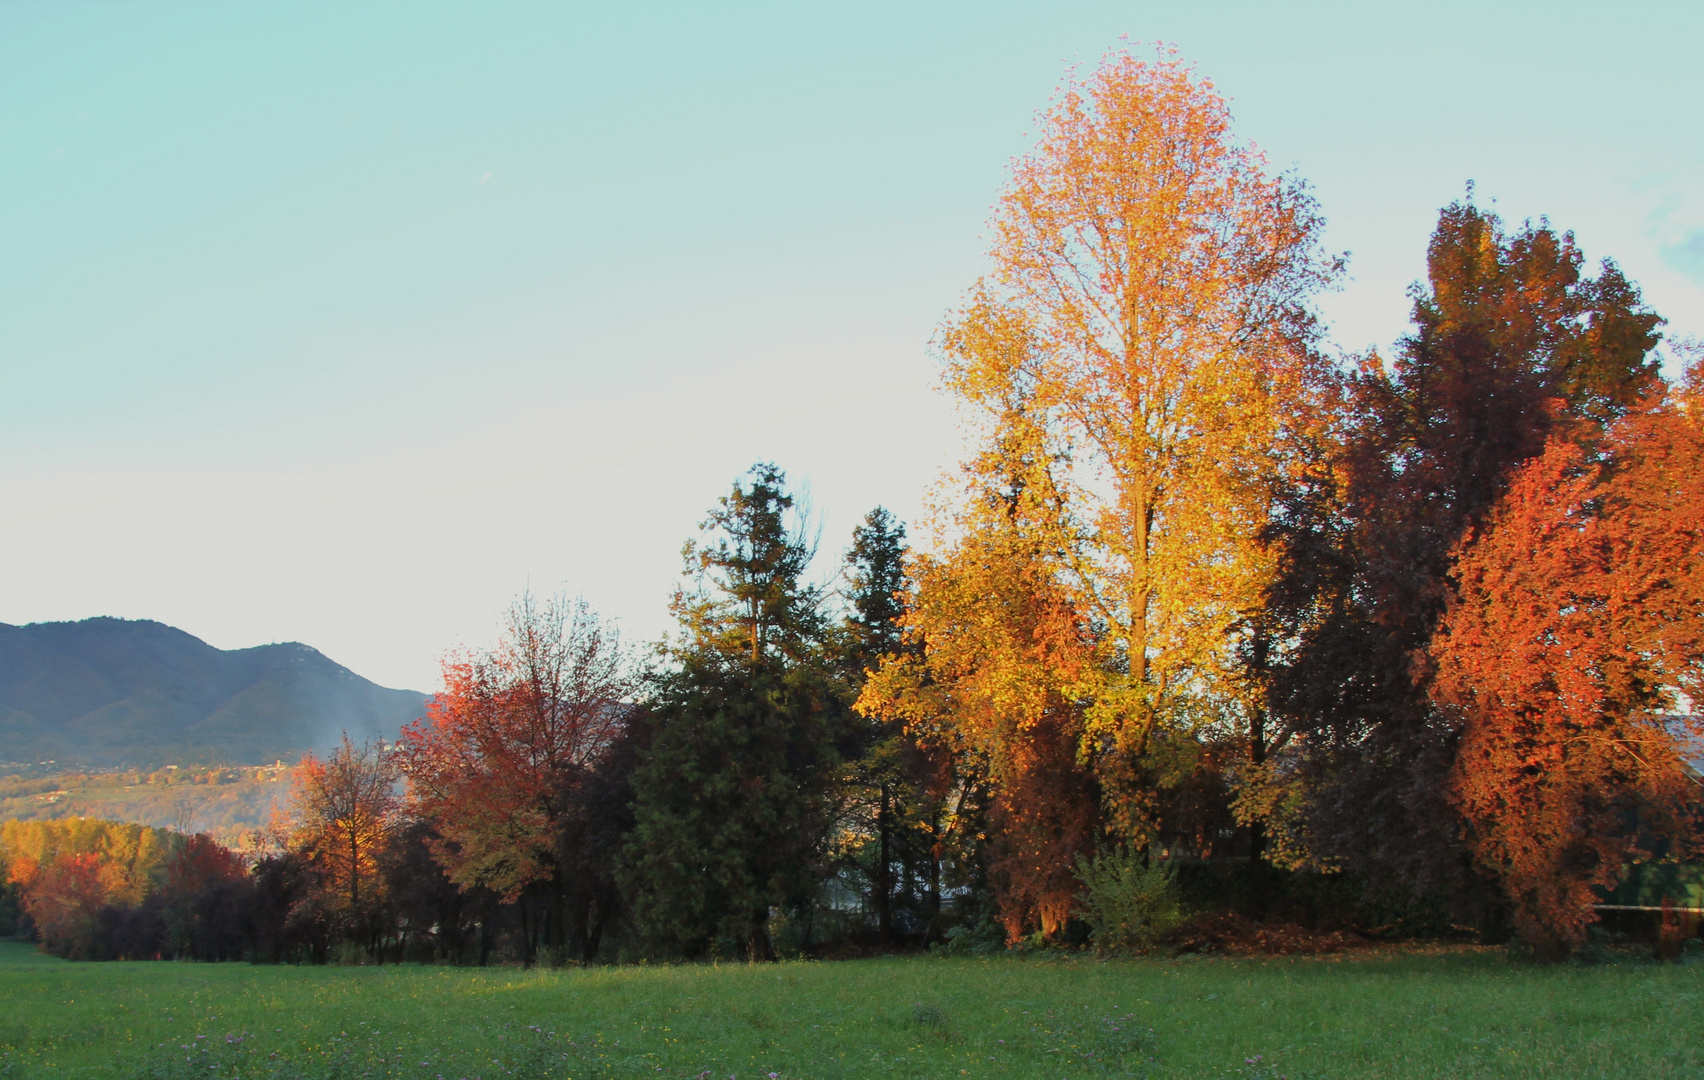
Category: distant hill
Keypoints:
(135, 693)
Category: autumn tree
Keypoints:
(1577, 620)
(503, 762)
(67, 871)
(994, 647)
(732, 793)
(199, 870)
(63, 898)
(343, 808)
(1510, 339)
(1138, 359)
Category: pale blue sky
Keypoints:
(341, 323)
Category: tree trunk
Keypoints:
(1259, 898)
(1259, 882)
(354, 873)
(934, 878)
(593, 936)
(759, 948)
(556, 940)
(884, 871)
(529, 926)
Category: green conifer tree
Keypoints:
(890, 816)
(732, 796)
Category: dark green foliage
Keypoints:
(290, 925)
(1323, 902)
(750, 598)
(10, 913)
(1130, 899)
(732, 806)
(433, 919)
(875, 578)
(1649, 884)
(890, 810)
(733, 790)
(594, 832)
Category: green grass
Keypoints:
(1452, 1014)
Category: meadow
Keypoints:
(1453, 1013)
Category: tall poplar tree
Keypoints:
(1145, 338)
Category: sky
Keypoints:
(345, 323)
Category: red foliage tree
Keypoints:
(201, 862)
(1579, 618)
(62, 898)
(497, 765)
(1508, 325)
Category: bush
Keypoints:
(979, 929)
(1130, 900)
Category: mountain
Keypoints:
(136, 693)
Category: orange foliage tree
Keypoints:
(66, 871)
(994, 646)
(62, 898)
(343, 808)
(498, 763)
(1579, 618)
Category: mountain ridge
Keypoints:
(109, 692)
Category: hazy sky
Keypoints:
(343, 323)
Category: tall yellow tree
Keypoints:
(995, 646)
(1145, 337)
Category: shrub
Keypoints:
(1130, 900)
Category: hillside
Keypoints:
(227, 803)
(138, 694)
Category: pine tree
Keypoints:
(893, 806)
(732, 804)
(875, 572)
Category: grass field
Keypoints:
(1452, 1014)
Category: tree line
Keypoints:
(1418, 630)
